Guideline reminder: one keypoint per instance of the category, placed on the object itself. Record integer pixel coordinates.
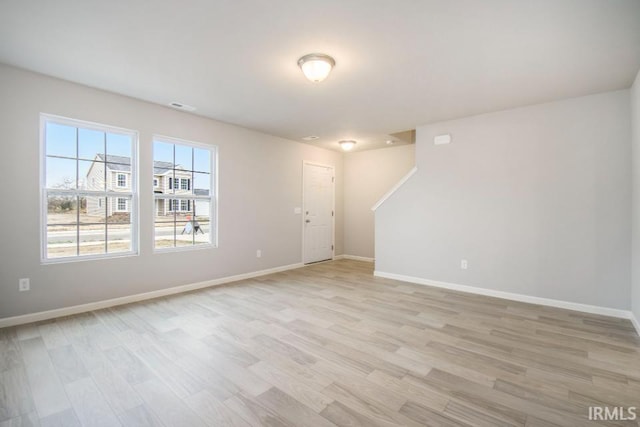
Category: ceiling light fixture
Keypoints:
(316, 66)
(347, 145)
(390, 142)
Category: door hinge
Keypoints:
(331, 247)
(331, 213)
(333, 179)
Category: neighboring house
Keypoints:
(166, 180)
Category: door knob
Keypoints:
(307, 220)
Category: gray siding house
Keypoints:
(113, 173)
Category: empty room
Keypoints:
(331, 213)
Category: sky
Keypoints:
(61, 141)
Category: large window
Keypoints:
(185, 209)
(86, 213)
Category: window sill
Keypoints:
(184, 248)
(67, 260)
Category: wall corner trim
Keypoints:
(82, 308)
(395, 188)
(585, 308)
(636, 322)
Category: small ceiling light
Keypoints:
(316, 66)
(347, 145)
(390, 142)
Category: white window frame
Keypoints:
(132, 194)
(124, 180)
(212, 198)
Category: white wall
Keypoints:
(635, 122)
(368, 175)
(537, 199)
(259, 181)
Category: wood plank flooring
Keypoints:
(324, 345)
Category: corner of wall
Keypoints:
(635, 205)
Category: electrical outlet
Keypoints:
(463, 264)
(258, 253)
(24, 285)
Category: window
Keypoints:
(186, 211)
(155, 182)
(80, 206)
(122, 180)
(122, 204)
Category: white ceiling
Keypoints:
(399, 63)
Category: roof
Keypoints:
(121, 163)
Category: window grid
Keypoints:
(185, 203)
(78, 193)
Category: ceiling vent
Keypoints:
(310, 138)
(183, 107)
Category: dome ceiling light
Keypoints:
(347, 145)
(316, 66)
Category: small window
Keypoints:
(122, 205)
(185, 218)
(81, 207)
(155, 182)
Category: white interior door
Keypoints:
(317, 212)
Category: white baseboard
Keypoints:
(354, 258)
(636, 322)
(593, 309)
(82, 308)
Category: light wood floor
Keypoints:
(320, 346)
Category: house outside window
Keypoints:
(185, 209)
(122, 180)
(80, 200)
